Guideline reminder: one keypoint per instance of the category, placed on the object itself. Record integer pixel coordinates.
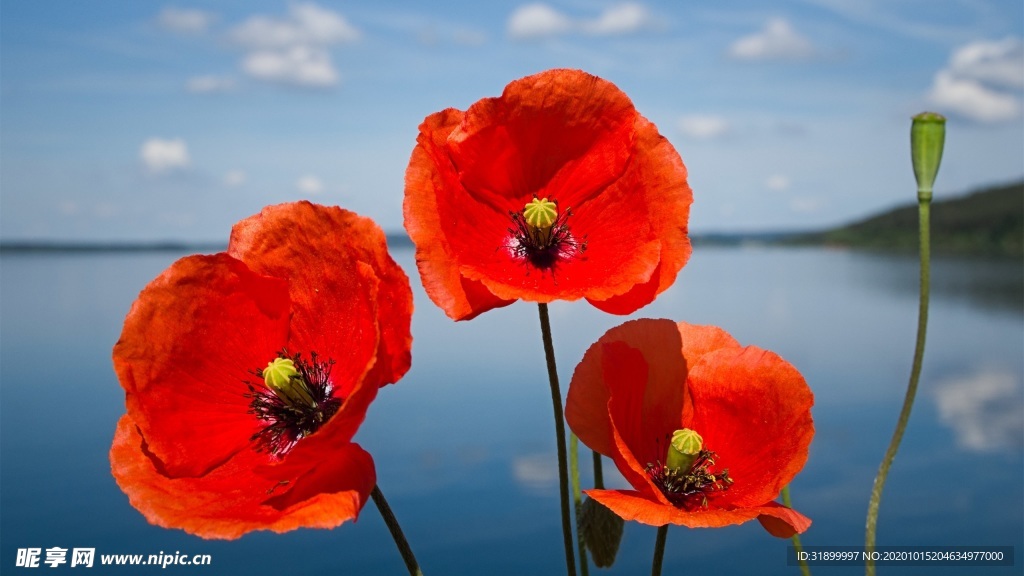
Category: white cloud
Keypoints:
(972, 99)
(299, 66)
(161, 156)
(538, 20)
(621, 19)
(985, 410)
(309, 185)
(305, 24)
(209, 84)
(995, 63)
(185, 21)
(982, 81)
(703, 127)
(294, 49)
(778, 40)
(777, 183)
(234, 178)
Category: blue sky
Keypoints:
(127, 120)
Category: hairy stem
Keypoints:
(556, 402)
(659, 550)
(396, 532)
(924, 206)
(598, 472)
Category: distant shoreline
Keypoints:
(56, 247)
(988, 222)
(394, 241)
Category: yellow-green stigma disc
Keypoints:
(540, 213)
(281, 376)
(683, 449)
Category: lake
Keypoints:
(464, 444)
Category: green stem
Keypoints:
(659, 550)
(574, 474)
(598, 472)
(556, 401)
(396, 532)
(804, 568)
(915, 373)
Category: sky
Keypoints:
(146, 121)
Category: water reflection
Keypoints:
(987, 282)
(536, 472)
(985, 410)
(464, 445)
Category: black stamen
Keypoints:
(286, 423)
(690, 488)
(544, 250)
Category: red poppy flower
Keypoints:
(212, 443)
(648, 384)
(610, 202)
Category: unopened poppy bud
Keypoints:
(927, 136)
(281, 376)
(540, 213)
(602, 532)
(683, 450)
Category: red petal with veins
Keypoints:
(647, 378)
(563, 135)
(297, 277)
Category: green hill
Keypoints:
(985, 222)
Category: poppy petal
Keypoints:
(658, 173)
(631, 505)
(429, 176)
(231, 500)
(319, 249)
(782, 522)
(567, 136)
(663, 400)
(637, 297)
(751, 407)
(732, 390)
(634, 471)
(562, 133)
(189, 345)
(699, 340)
(619, 253)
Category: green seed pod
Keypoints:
(540, 213)
(927, 136)
(281, 376)
(683, 450)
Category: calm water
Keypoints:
(464, 444)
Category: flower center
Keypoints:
(294, 402)
(541, 236)
(687, 478)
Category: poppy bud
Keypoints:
(282, 377)
(683, 450)
(927, 135)
(602, 532)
